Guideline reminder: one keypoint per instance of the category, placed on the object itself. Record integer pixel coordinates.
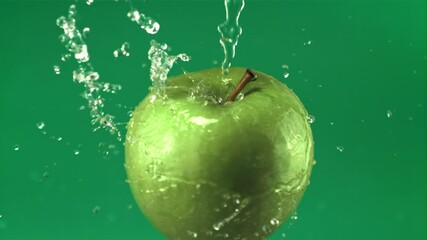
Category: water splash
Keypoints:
(230, 31)
(85, 74)
(145, 22)
(161, 64)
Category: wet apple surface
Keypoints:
(201, 166)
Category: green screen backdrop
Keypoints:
(358, 66)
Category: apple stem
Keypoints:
(249, 76)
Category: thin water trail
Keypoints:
(230, 31)
(85, 74)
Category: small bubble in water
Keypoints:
(283, 235)
(286, 75)
(89, 2)
(340, 148)
(76, 152)
(86, 32)
(40, 125)
(16, 147)
(285, 66)
(57, 69)
(311, 119)
(389, 113)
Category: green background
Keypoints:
(365, 58)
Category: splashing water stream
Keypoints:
(230, 31)
(85, 74)
(161, 64)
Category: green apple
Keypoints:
(203, 167)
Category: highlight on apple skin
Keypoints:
(201, 167)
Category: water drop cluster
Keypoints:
(145, 22)
(122, 51)
(85, 74)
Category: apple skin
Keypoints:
(203, 170)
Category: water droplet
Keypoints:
(192, 234)
(308, 42)
(40, 125)
(72, 10)
(65, 57)
(283, 235)
(16, 147)
(217, 226)
(274, 222)
(266, 229)
(286, 75)
(76, 152)
(285, 66)
(389, 113)
(89, 2)
(86, 32)
(240, 96)
(57, 69)
(96, 209)
(46, 175)
(340, 148)
(311, 119)
(294, 216)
